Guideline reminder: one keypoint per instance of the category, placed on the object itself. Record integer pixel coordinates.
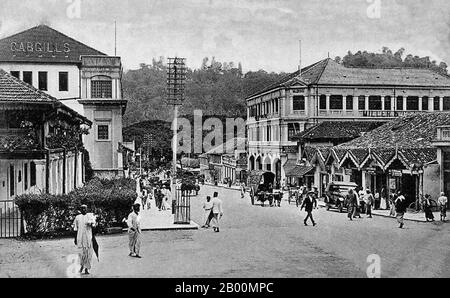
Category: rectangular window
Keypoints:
(293, 129)
(101, 89)
(436, 104)
(268, 133)
(15, 74)
(446, 103)
(361, 103)
(349, 103)
(323, 102)
(11, 181)
(25, 176)
(399, 103)
(387, 103)
(375, 103)
(425, 103)
(103, 132)
(32, 174)
(42, 78)
(336, 102)
(412, 103)
(28, 77)
(299, 103)
(64, 81)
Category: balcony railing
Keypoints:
(370, 113)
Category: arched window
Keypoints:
(101, 87)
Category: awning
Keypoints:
(292, 169)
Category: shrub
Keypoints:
(52, 215)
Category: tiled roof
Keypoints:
(292, 169)
(43, 44)
(13, 89)
(336, 130)
(329, 72)
(409, 137)
(410, 131)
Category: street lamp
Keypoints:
(140, 160)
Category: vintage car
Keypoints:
(260, 184)
(336, 193)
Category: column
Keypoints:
(355, 104)
(393, 101)
(404, 103)
(420, 103)
(328, 103)
(431, 103)
(307, 105)
(41, 174)
(441, 103)
(366, 102)
(383, 107)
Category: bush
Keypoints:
(52, 215)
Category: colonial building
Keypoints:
(328, 91)
(41, 149)
(83, 78)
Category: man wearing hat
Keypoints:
(309, 203)
(134, 231)
(83, 224)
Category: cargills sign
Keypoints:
(40, 47)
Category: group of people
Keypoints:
(158, 192)
(359, 202)
(213, 212)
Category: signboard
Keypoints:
(290, 149)
(40, 47)
(395, 173)
(392, 183)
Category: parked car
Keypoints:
(336, 193)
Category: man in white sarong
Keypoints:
(217, 212)
(134, 231)
(83, 224)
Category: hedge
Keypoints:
(49, 216)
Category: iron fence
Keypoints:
(10, 220)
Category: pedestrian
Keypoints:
(83, 224)
(207, 214)
(427, 208)
(392, 199)
(400, 208)
(134, 232)
(217, 211)
(309, 203)
(242, 190)
(358, 202)
(377, 201)
(442, 202)
(144, 198)
(351, 202)
(370, 201)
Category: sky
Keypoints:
(261, 34)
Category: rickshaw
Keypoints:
(260, 184)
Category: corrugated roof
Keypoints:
(43, 44)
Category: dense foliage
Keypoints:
(53, 215)
(215, 88)
(387, 58)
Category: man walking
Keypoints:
(442, 203)
(309, 203)
(400, 208)
(83, 224)
(351, 201)
(134, 231)
(217, 211)
(370, 202)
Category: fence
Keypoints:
(10, 220)
(183, 207)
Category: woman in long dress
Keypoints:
(207, 207)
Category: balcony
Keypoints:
(365, 114)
